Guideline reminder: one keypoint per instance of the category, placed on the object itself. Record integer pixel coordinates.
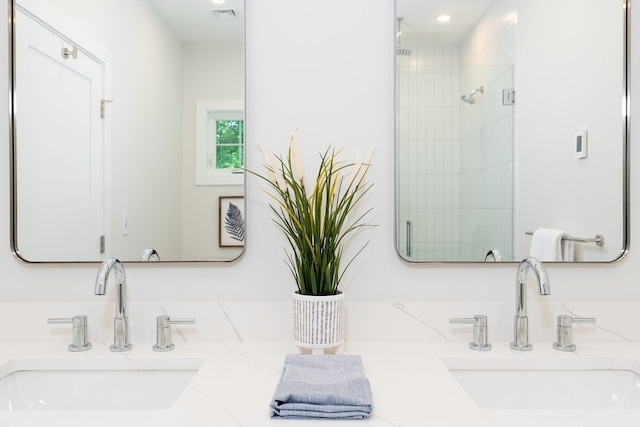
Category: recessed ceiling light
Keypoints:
(444, 18)
(217, 1)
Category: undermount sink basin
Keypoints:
(549, 384)
(93, 384)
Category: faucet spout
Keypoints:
(521, 321)
(120, 321)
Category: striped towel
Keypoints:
(322, 386)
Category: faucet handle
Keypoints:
(480, 335)
(565, 331)
(79, 332)
(163, 331)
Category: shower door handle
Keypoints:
(408, 238)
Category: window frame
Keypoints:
(224, 110)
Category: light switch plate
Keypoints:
(580, 142)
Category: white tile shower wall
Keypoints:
(487, 136)
(429, 150)
(456, 160)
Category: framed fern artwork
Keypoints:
(232, 223)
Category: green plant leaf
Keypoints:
(317, 225)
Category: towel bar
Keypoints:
(598, 240)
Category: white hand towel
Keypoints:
(547, 245)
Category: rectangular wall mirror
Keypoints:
(127, 129)
(511, 130)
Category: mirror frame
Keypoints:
(626, 97)
(13, 208)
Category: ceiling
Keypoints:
(194, 20)
(420, 24)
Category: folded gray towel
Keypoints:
(322, 386)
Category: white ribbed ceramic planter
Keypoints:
(318, 322)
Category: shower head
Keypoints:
(469, 99)
(402, 51)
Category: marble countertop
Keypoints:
(410, 382)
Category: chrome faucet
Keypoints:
(150, 254)
(120, 327)
(520, 321)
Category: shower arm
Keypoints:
(399, 31)
(480, 89)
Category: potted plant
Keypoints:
(317, 217)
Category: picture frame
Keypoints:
(231, 222)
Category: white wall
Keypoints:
(552, 106)
(308, 68)
(211, 72)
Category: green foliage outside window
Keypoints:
(229, 144)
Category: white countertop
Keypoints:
(410, 382)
